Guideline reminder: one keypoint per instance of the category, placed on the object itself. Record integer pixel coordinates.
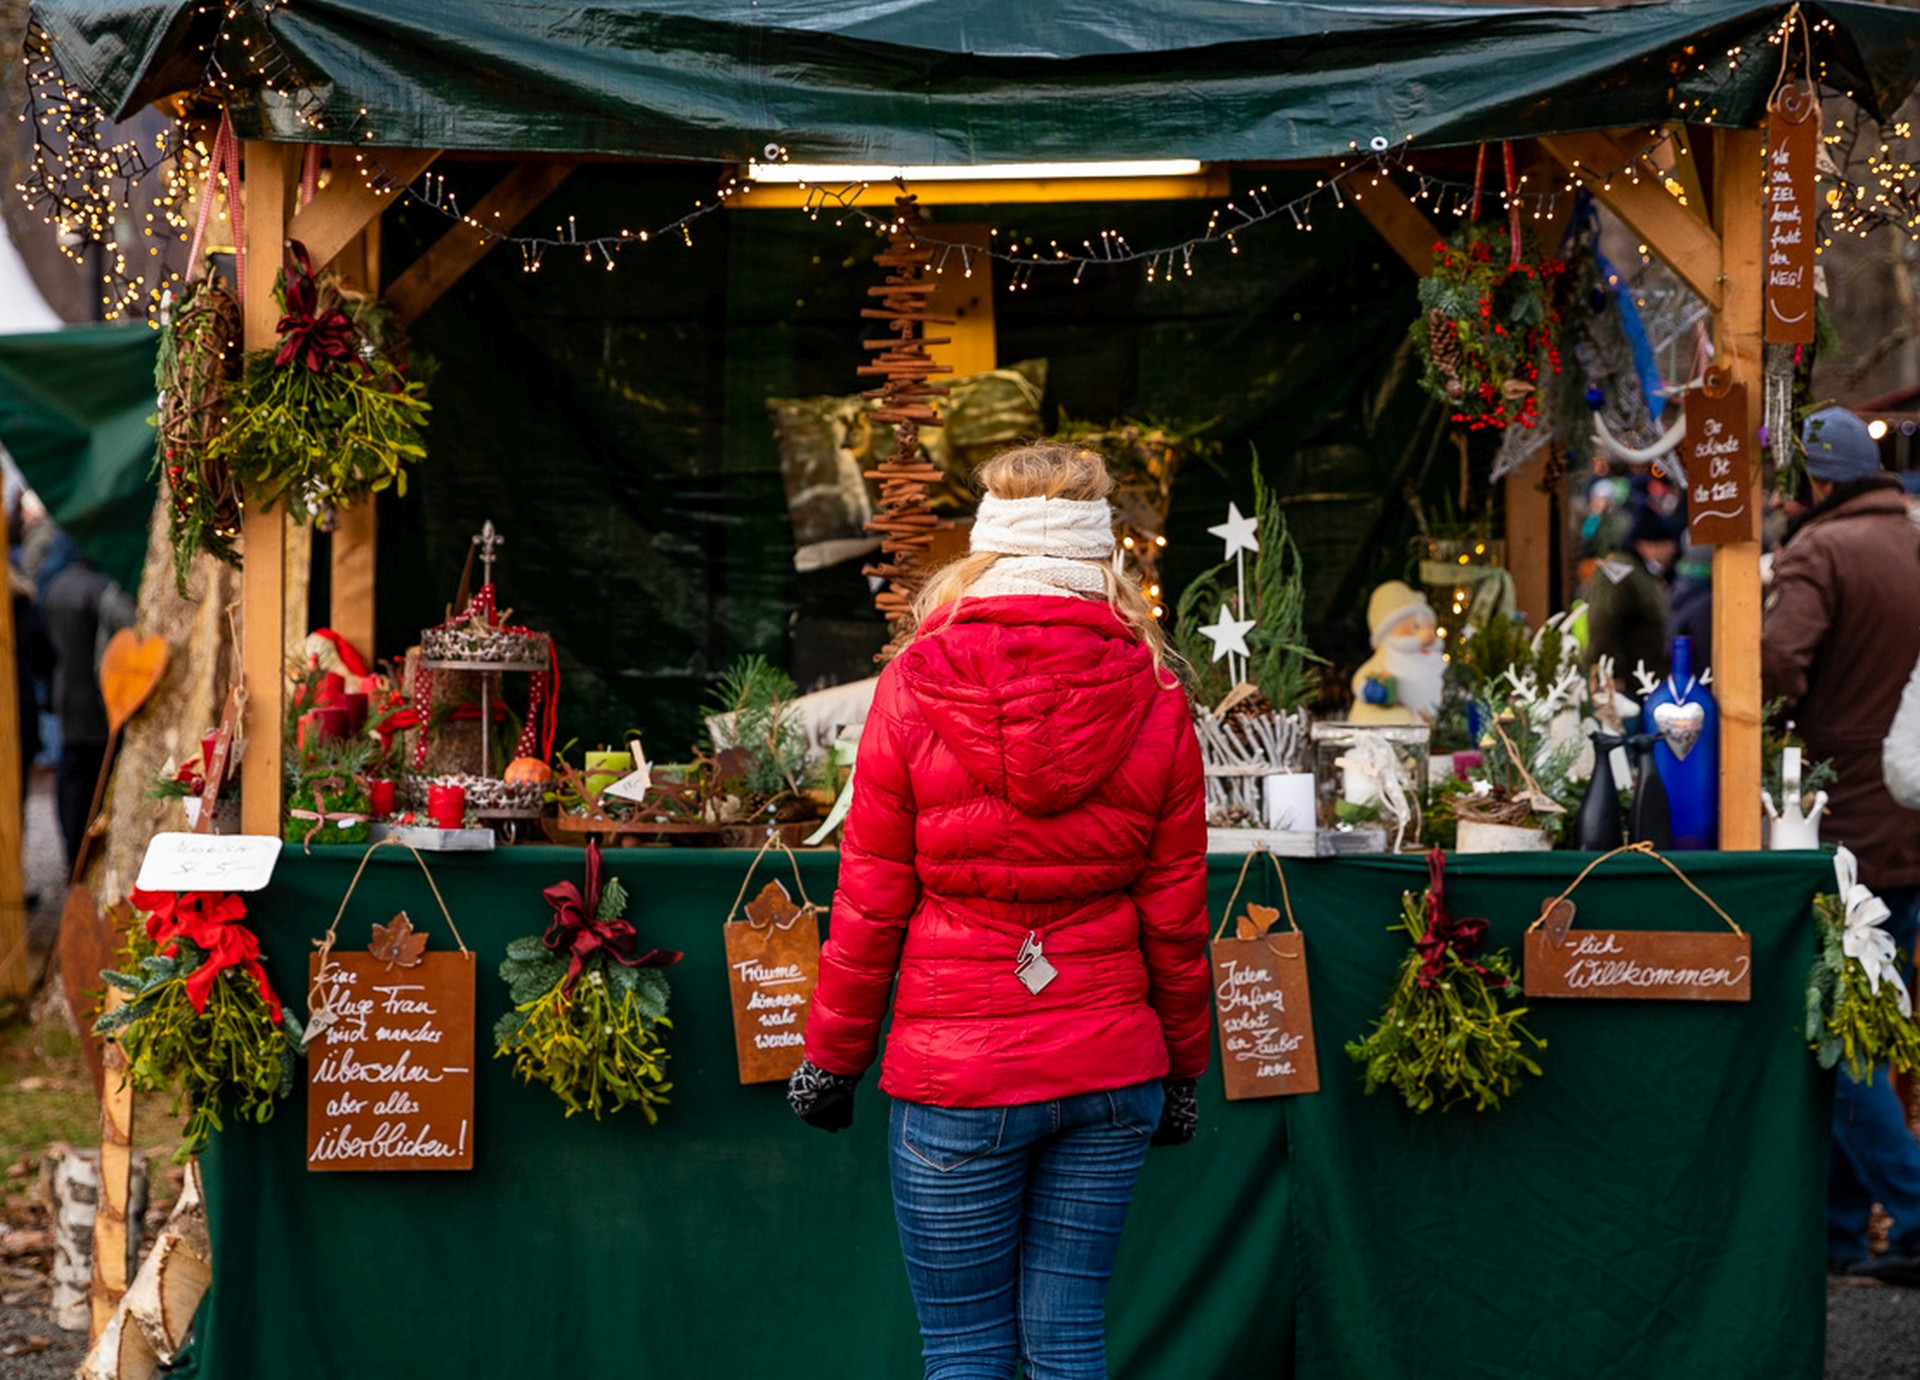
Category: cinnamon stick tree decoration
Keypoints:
(905, 522)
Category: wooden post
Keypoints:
(1530, 518)
(356, 537)
(1738, 171)
(263, 576)
(971, 347)
(16, 976)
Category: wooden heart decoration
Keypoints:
(129, 671)
(1680, 725)
(1559, 918)
(1263, 919)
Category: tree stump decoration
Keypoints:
(905, 522)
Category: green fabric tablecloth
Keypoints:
(1653, 1206)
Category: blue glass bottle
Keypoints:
(1687, 721)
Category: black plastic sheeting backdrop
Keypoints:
(613, 424)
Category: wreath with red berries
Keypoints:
(1489, 329)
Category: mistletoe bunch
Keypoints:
(588, 1012)
(1489, 328)
(1450, 1032)
(329, 417)
(200, 1015)
(1858, 1007)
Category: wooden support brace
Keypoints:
(355, 196)
(1401, 224)
(1739, 169)
(1671, 230)
(510, 201)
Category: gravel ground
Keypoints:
(1873, 1332)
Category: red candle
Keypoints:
(380, 798)
(447, 805)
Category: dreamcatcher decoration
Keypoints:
(905, 522)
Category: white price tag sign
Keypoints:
(209, 862)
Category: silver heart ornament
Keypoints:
(1680, 725)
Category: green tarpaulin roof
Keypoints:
(965, 81)
(74, 406)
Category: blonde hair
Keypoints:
(1045, 469)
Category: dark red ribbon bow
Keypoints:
(210, 920)
(1465, 937)
(576, 932)
(318, 339)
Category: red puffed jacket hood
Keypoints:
(1025, 771)
(1040, 714)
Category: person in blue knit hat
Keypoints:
(1842, 632)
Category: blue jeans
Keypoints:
(1010, 1220)
(1875, 1157)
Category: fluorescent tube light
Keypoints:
(839, 174)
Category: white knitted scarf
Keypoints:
(1046, 545)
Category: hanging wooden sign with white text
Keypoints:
(1718, 462)
(1642, 965)
(1266, 1018)
(1790, 209)
(390, 1069)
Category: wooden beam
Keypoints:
(1671, 230)
(1401, 224)
(364, 183)
(1739, 171)
(354, 554)
(263, 574)
(16, 976)
(1530, 518)
(504, 207)
(972, 347)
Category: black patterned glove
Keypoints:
(1179, 1114)
(820, 1098)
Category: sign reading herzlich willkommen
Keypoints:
(1644, 965)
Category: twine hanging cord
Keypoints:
(316, 999)
(1286, 899)
(1645, 850)
(807, 907)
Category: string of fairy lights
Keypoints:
(87, 186)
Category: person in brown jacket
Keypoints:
(1842, 631)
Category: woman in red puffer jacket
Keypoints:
(1024, 875)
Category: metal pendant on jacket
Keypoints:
(1032, 967)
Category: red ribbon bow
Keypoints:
(211, 921)
(1464, 937)
(318, 339)
(576, 932)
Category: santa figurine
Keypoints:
(1401, 682)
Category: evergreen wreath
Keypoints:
(1489, 328)
(330, 416)
(588, 1012)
